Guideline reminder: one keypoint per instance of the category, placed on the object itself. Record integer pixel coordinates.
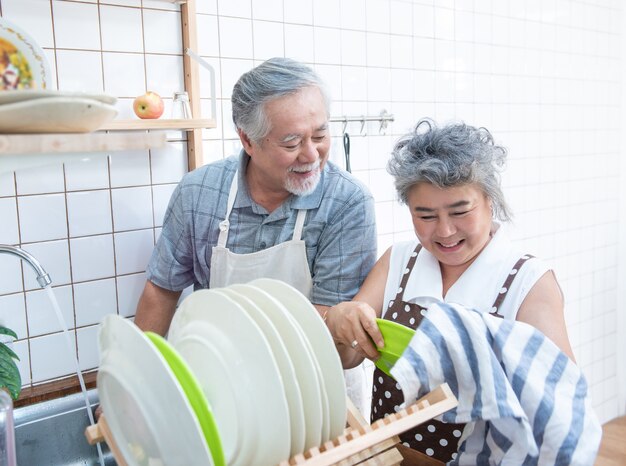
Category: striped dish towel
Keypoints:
(525, 401)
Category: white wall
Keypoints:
(542, 75)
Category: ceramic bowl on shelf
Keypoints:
(55, 115)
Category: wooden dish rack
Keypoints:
(361, 443)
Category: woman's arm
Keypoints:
(543, 309)
(356, 319)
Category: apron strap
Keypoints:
(299, 226)
(225, 224)
(506, 286)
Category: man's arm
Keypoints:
(156, 308)
(346, 251)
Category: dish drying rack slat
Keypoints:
(361, 443)
(100, 432)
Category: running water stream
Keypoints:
(72, 353)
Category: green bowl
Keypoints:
(195, 395)
(397, 338)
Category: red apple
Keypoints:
(149, 105)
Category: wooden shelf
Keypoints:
(78, 142)
(117, 135)
(138, 125)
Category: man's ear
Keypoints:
(246, 142)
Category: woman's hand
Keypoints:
(353, 323)
(353, 327)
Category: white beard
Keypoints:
(307, 186)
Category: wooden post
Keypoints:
(192, 81)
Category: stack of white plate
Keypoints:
(266, 364)
(152, 418)
(50, 111)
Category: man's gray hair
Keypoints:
(272, 79)
(452, 155)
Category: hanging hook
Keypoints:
(345, 124)
(346, 151)
(383, 121)
(363, 126)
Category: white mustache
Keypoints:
(305, 168)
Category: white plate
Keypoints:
(141, 397)
(234, 364)
(33, 71)
(304, 362)
(287, 371)
(13, 96)
(322, 343)
(55, 115)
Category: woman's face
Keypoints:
(453, 224)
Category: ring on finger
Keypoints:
(354, 344)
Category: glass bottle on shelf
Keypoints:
(180, 106)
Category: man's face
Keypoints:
(290, 158)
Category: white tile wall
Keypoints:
(76, 25)
(124, 74)
(543, 76)
(42, 210)
(54, 257)
(93, 300)
(79, 70)
(13, 313)
(38, 308)
(122, 29)
(89, 213)
(92, 257)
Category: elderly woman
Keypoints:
(448, 178)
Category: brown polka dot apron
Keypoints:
(434, 438)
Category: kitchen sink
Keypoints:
(53, 433)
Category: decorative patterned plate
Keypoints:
(23, 64)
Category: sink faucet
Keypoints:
(42, 277)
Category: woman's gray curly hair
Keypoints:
(451, 155)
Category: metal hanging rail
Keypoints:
(384, 117)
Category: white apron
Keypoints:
(285, 261)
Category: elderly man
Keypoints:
(279, 209)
